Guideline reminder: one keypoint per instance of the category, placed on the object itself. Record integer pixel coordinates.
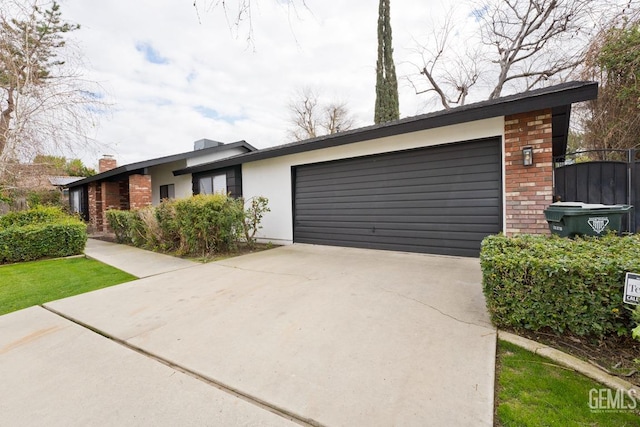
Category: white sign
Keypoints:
(598, 224)
(632, 289)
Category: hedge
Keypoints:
(35, 241)
(574, 285)
(37, 215)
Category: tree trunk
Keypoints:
(5, 119)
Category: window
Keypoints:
(167, 192)
(75, 200)
(213, 184)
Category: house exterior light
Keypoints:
(527, 156)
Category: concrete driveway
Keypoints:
(299, 334)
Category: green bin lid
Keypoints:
(557, 210)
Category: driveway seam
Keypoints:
(114, 265)
(288, 415)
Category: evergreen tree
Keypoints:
(387, 104)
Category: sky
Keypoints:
(172, 74)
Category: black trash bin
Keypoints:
(567, 219)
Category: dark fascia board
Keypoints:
(563, 94)
(561, 117)
(140, 167)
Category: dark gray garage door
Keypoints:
(441, 200)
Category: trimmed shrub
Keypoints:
(209, 223)
(536, 282)
(119, 222)
(37, 215)
(127, 226)
(35, 241)
(200, 225)
(169, 228)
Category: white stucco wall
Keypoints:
(163, 175)
(215, 156)
(272, 177)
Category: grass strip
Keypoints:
(534, 391)
(33, 283)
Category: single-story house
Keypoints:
(434, 183)
(141, 184)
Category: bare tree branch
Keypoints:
(304, 115)
(309, 118)
(523, 44)
(449, 78)
(45, 105)
(240, 12)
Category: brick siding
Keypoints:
(107, 163)
(139, 191)
(529, 189)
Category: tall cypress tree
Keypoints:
(387, 105)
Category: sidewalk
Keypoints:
(139, 262)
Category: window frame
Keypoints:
(170, 191)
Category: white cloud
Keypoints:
(175, 75)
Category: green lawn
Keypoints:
(33, 283)
(534, 391)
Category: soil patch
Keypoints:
(619, 356)
(242, 249)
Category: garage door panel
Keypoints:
(373, 217)
(441, 200)
(429, 238)
(431, 247)
(484, 173)
(407, 159)
(426, 214)
(352, 203)
(439, 168)
(381, 234)
(346, 226)
(384, 188)
(444, 199)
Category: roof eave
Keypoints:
(141, 166)
(552, 97)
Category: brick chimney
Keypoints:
(107, 162)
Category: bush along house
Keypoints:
(141, 184)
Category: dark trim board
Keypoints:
(443, 199)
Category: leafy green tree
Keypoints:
(613, 119)
(75, 167)
(55, 163)
(387, 105)
(59, 165)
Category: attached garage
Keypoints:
(441, 200)
(435, 183)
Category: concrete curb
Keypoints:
(571, 362)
